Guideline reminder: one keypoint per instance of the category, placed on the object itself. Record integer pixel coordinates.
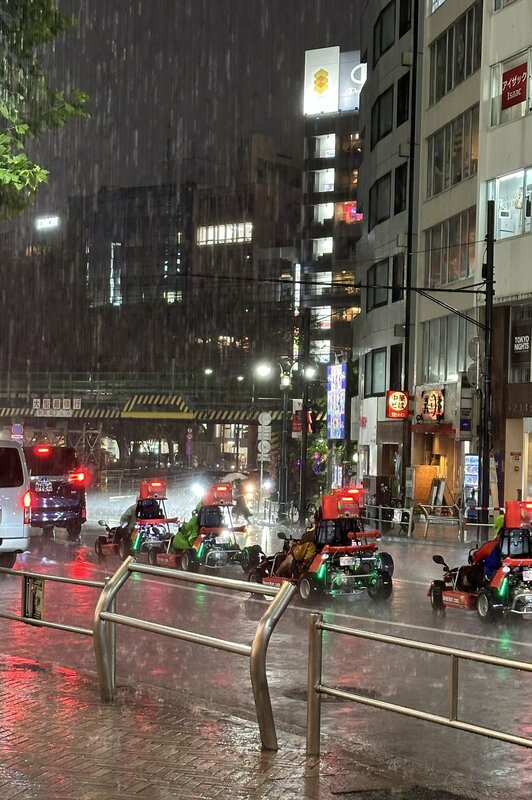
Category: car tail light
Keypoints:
(83, 513)
(26, 502)
(78, 477)
(42, 450)
(221, 488)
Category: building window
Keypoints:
(396, 366)
(453, 153)
(375, 373)
(513, 203)
(520, 344)
(405, 16)
(382, 116)
(377, 291)
(379, 201)
(322, 180)
(455, 55)
(384, 31)
(511, 88)
(445, 342)
(224, 234)
(321, 146)
(398, 277)
(401, 175)
(348, 179)
(403, 99)
(435, 4)
(451, 248)
(502, 3)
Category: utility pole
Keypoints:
(485, 420)
(304, 337)
(412, 177)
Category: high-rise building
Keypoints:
(331, 217)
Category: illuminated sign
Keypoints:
(46, 223)
(333, 81)
(336, 389)
(433, 404)
(514, 83)
(396, 405)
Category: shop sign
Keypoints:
(433, 404)
(514, 83)
(520, 344)
(396, 404)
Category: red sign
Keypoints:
(396, 404)
(514, 83)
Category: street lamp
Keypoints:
(264, 370)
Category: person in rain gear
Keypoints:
(142, 509)
(486, 560)
(188, 532)
(300, 556)
(241, 507)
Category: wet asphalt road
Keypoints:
(489, 696)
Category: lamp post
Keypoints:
(286, 366)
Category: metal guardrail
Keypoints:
(389, 518)
(32, 599)
(105, 619)
(315, 687)
(444, 517)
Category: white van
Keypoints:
(15, 502)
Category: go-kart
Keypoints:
(216, 544)
(508, 591)
(346, 560)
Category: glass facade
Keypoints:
(513, 203)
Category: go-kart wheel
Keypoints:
(189, 561)
(124, 548)
(380, 585)
(98, 546)
(152, 556)
(250, 557)
(485, 608)
(7, 560)
(386, 563)
(436, 598)
(306, 588)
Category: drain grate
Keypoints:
(404, 793)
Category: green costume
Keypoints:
(498, 523)
(187, 533)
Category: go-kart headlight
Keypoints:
(506, 569)
(324, 556)
(357, 562)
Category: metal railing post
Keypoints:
(453, 688)
(104, 637)
(257, 665)
(315, 655)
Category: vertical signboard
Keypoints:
(322, 69)
(336, 392)
(514, 86)
(352, 79)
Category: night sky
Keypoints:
(184, 78)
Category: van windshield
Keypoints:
(11, 473)
(44, 460)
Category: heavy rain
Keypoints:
(260, 320)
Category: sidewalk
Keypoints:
(57, 741)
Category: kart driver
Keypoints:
(300, 555)
(142, 509)
(487, 556)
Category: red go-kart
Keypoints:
(507, 591)
(346, 558)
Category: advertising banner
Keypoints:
(520, 344)
(321, 80)
(336, 391)
(514, 83)
(352, 79)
